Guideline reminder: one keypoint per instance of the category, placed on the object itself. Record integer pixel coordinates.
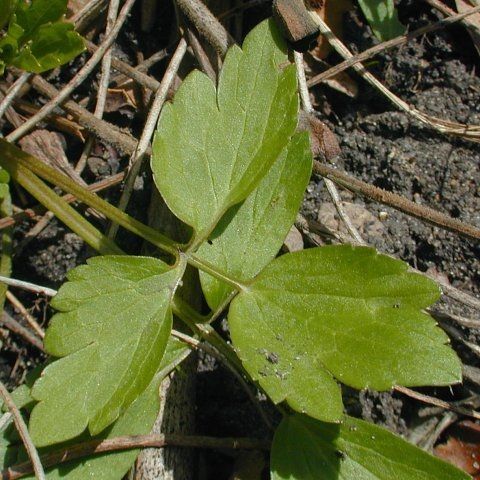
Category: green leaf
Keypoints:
(8, 452)
(306, 449)
(344, 313)
(7, 7)
(4, 176)
(382, 18)
(30, 17)
(246, 243)
(112, 331)
(212, 148)
(138, 419)
(51, 45)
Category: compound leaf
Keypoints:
(251, 239)
(51, 45)
(114, 322)
(344, 313)
(212, 147)
(382, 18)
(306, 449)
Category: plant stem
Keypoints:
(7, 246)
(206, 332)
(201, 264)
(53, 202)
(21, 165)
(24, 168)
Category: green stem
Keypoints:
(12, 159)
(24, 168)
(205, 331)
(201, 264)
(68, 215)
(7, 247)
(180, 305)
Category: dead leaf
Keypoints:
(119, 98)
(323, 141)
(472, 20)
(48, 147)
(331, 12)
(462, 448)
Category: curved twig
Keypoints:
(470, 132)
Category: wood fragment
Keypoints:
(296, 23)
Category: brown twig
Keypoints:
(206, 24)
(20, 308)
(77, 80)
(7, 321)
(395, 42)
(427, 214)
(103, 84)
(441, 7)
(30, 287)
(36, 464)
(136, 159)
(332, 189)
(129, 71)
(13, 92)
(94, 447)
(470, 132)
(437, 402)
(450, 317)
(102, 129)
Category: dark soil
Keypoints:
(436, 74)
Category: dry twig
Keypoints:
(332, 189)
(13, 92)
(206, 24)
(8, 322)
(31, 287)
(77, 80)
(23, 432)
(103, 86)
(437, 402)
(17, 305)
(398, 202)
(136, 159)
(94, 447)
(395, 42)
(470, 132)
